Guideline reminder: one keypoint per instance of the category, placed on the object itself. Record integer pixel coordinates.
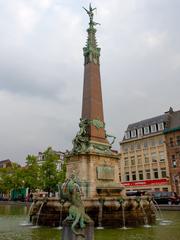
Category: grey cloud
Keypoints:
(41, 69)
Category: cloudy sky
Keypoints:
(41, 68)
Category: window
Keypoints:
(154, 157)
(161, 141)
(171, 142)
(133, 133)
(146, 130)
(161, 157)
(139, 159)
(165, 189)
(59, 166)
(127, 135)
(125, 148)
(140, 132)
(132, 147)
(173, 161)
(163, 172)
(138, 146)
(133, 161)
(146, 157)
(178, 140)
(145, 144)
(126, 161)
(175, 179)
(153, 144)
(160, 126)
(153, 128)
(133, 176)
(155, 173)
(140, 175)
(127, 176)
(148, 174)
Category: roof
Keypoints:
(175, 119)
(5, 161)
(168, 130)
(148, 122)
(174, 123)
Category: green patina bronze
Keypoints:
(71, 191)
(100, 148)
(82, 144)
(121, 200)
(97, 123)
(111, 136)
(91, 15)
(91, 51)
(138, 200)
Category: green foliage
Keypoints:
(50, 175)
(34, 176)
(5, 180)
(11, 178)
(32, 173)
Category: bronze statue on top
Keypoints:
(91, 15)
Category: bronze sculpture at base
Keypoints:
(87, 233)
(70, 191)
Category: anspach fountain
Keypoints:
(94, 162)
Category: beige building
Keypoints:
(143, 156)
(61, 156)
(5, 163)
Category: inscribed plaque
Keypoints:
(105, 172)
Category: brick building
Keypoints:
(172, 139)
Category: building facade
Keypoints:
(143, 155)
(5, 163)
(172, 139)
(61, 157)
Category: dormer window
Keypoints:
(140, 132)
(133, 133)
(153, 128)
(127, 135)
(146, 130)
(160, 126)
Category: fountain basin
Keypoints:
(137, 211)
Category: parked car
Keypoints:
(135, 193)
(166, 197)
(3, 198)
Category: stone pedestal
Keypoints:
(67, 233)
(96, 171)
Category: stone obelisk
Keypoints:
(91, 157)
(92, 104)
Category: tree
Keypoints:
(11, 178)
(32, 173)
(6, 181)
(17, 176)
(50, 175)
